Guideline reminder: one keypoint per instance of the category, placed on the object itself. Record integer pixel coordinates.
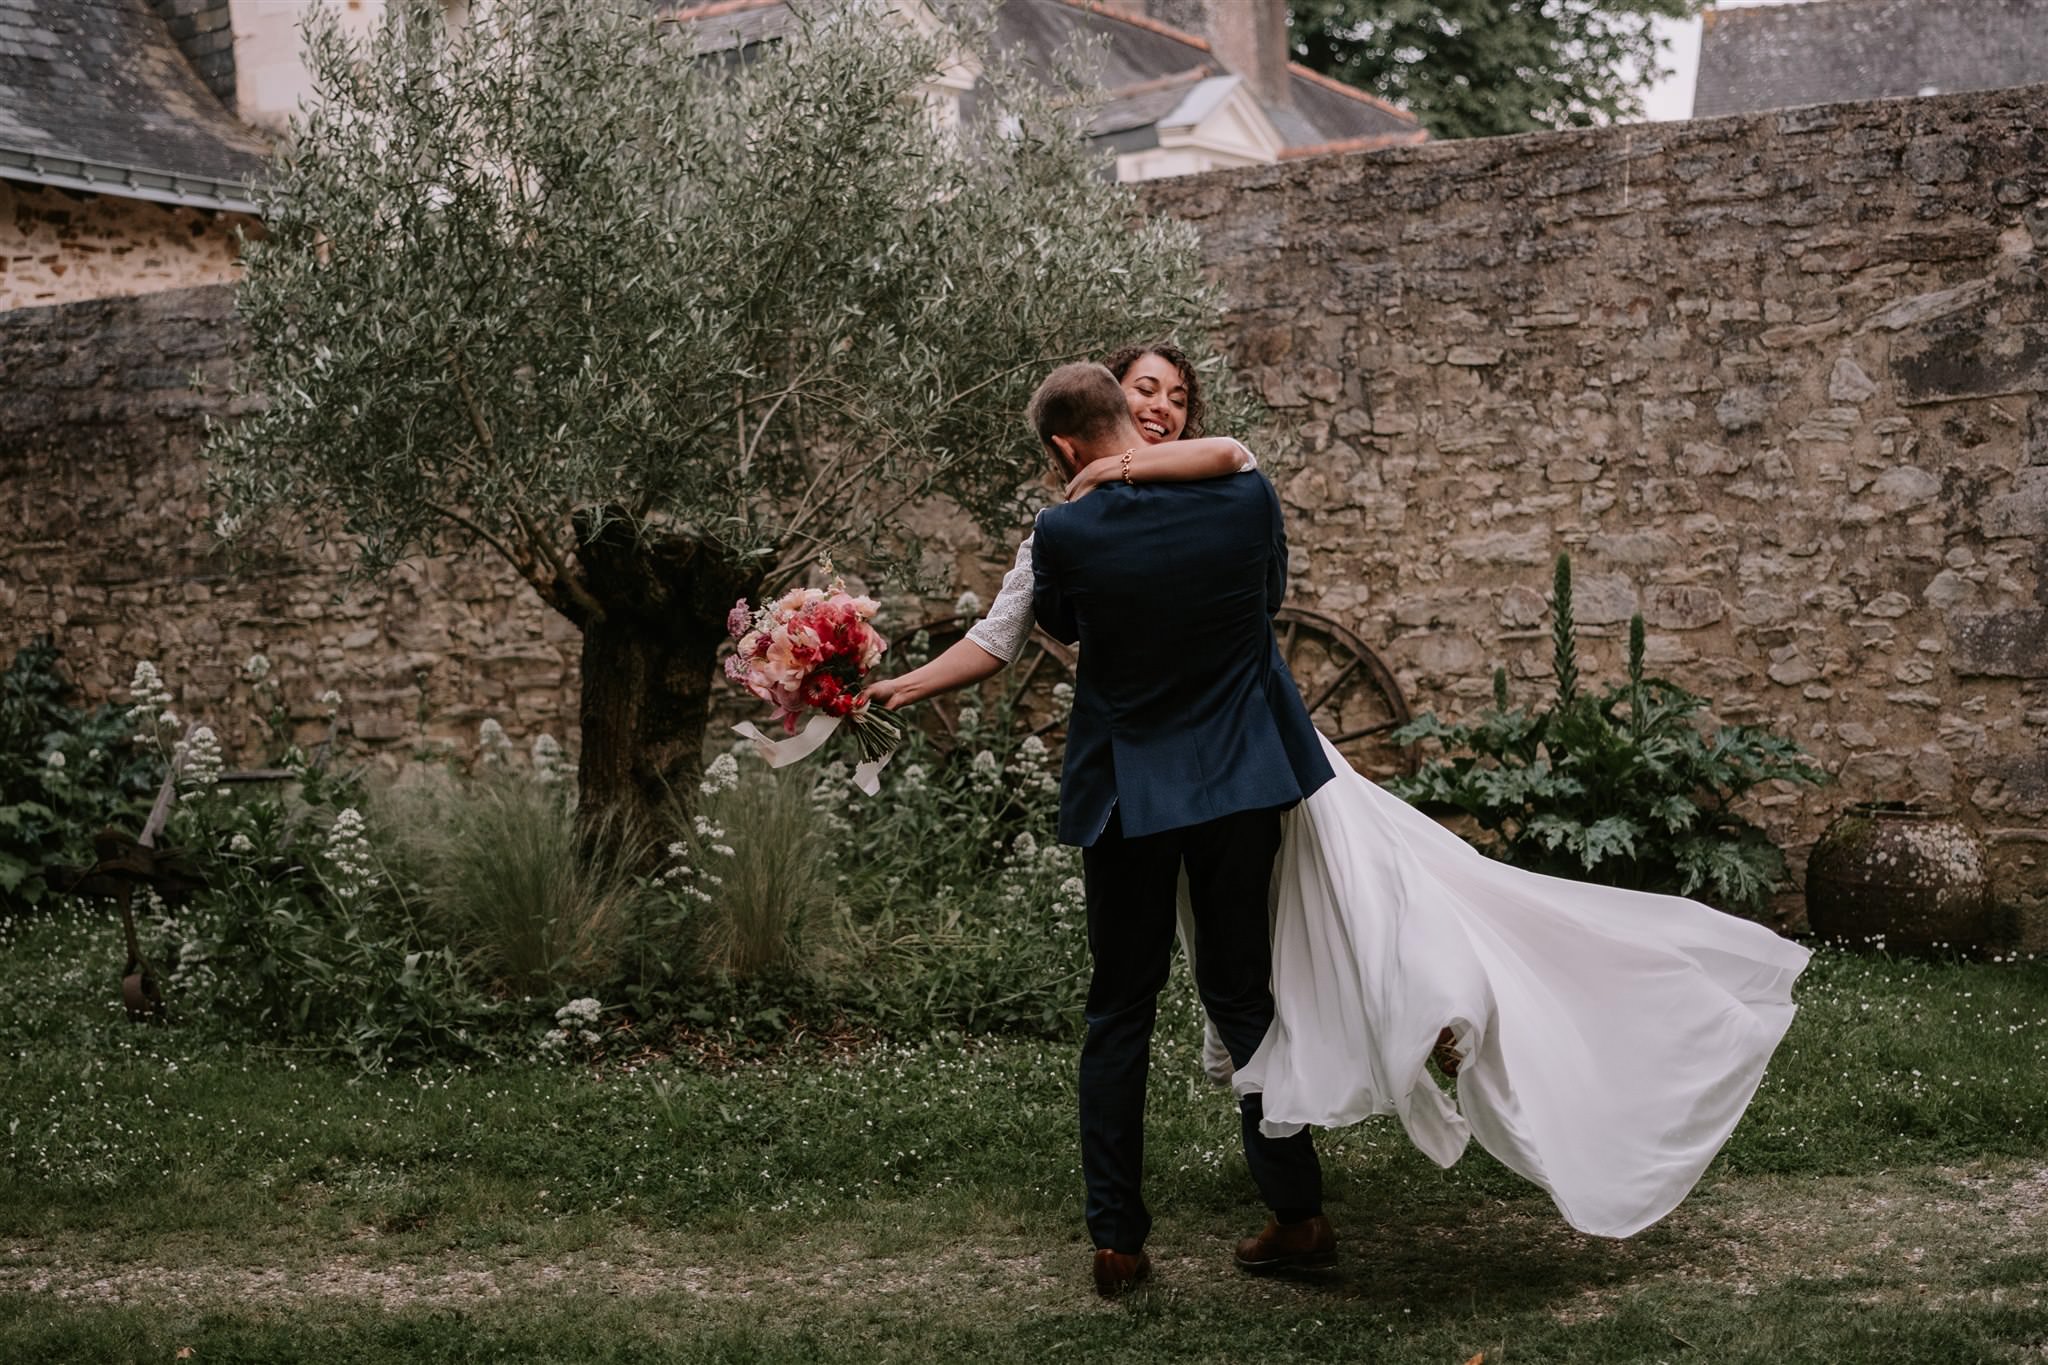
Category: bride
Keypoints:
(1605, 1042)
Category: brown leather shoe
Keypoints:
(1446, 1055)
(1307, 1245)
(1116, 1273)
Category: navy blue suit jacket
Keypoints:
(1184, 710)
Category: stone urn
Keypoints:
(1893, 876)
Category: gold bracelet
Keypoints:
(1127, 465)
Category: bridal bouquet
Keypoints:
(806, 652)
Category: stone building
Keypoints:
(1188, 85)
(129, 129)
(121, 171)
(1831, 51)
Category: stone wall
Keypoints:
(108, 545)
(1780, 382)
(58, 247)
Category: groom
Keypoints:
(1187, 740)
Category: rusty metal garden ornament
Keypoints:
(123, 864)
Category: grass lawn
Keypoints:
(1885, 1200)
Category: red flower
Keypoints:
(821, 690)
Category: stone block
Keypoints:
(2008, 644)
(1522, 607)
(1635, 547)
(1504, 547)
(1848, 383)
(2021, 512)
(1600, 599)
(1677, 607)
(1978, 352)
(1742, 408)
(1903, 488)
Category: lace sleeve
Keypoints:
(1247, 461)
(1008, 624)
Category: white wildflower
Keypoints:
(491, 741)
(55, 759)
(256, 667)
(241, 844)
(968, 603)
(722, 775)
(581, 1011)
(349, 850)
(547, 758)
(147, 688)
(330, 699)
(1063, 693)
(202, 760)
(227, 526)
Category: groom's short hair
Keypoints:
(1082, 402)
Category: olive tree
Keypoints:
(659, 325)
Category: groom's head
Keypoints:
(1081, 415)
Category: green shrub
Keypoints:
(65, 773)
(305, 935)
(1624, 786)
(959, 916)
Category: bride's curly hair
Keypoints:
(1119, 362)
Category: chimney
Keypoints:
(1249, 37)
(204, 33)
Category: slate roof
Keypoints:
(1828, 51)
(1146, 68)
(1144, 53)
(95, 95)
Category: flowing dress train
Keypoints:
(1611, 1039)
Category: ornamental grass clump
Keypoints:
(749, 876)
(1629, 786)
(533, 902)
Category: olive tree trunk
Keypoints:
(649, 665)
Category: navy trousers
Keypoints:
(1131, 886)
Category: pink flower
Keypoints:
(738, 619)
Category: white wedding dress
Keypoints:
(1610, 1039)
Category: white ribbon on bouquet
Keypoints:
(780, 753)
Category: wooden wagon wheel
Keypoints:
(1042, 665)
(1351, 693)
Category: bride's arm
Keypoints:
(963, 665)
(1206, 457)
(992, 644)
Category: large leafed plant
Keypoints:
(1624, 786)
(659, 322)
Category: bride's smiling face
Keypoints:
(1158, 397)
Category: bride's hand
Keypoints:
(889, 694)
(1090, 476)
